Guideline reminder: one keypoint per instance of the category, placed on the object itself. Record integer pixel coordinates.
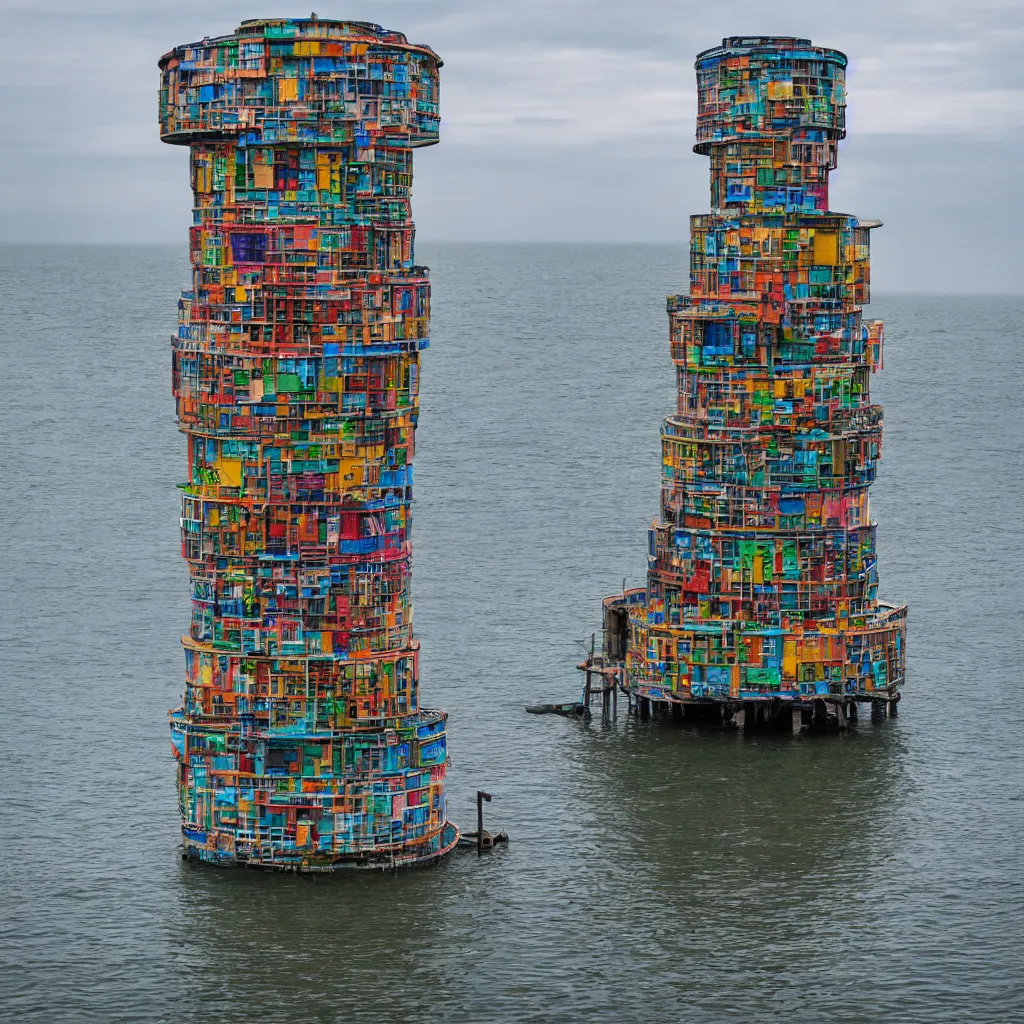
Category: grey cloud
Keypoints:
(564, 119)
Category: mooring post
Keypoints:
(481, 796)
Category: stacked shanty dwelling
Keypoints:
(762, 586)
(301, 742)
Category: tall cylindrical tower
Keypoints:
(762, 581)
(300, 740)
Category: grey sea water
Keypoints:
(654, 874)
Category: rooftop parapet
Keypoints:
(761, 87)
(306, 80)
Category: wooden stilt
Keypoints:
(750, 709)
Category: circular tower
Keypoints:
(762, 583)
(300, 740)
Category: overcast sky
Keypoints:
(561, 120)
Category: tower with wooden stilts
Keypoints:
(761, 607)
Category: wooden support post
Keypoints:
(840, 715)
(749, 716)
(739, 716)
(798, 721)
(893, 705)
(819, 714)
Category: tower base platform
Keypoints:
(225, 851)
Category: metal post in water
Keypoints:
(481, 796)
